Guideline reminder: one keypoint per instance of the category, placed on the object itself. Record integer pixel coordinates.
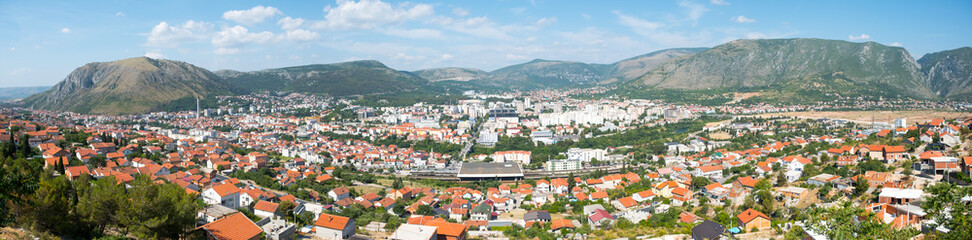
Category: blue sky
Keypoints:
(42, 41)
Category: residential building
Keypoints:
(330, 226)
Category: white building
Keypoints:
(226, 195)
(586, 154)
(563, 164)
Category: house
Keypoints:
(561, 223)
(899, 196)
(448, 231)
(599, 195)
(709, 171)
(624, 203)
(265, 209)
(52, 161)
(330, 226)
(543, 186)
(894, 153)
(600, 218)
(708, 230)
(75, 172)
(822, 179)
(233, 227)
(643, 195)
(689, 218)
(458, 213)
(339, 194)
(227, 195)
(212, 213)
(680, 195)
(536, 216)
(967, 166)
(414, 232)
(481, 212)
(750, 219)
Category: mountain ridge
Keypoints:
(786, 66)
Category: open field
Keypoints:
(736, 97)
(719, 136)
(878, 116)
(365, 189)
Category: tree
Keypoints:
(700, 182)
(861, 185)
(15, 186)
(157, 211)
(571, 182)
(948, 209)
(844, 221)
(425, 210)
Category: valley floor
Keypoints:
(876, 116)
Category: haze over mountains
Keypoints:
(827, 66)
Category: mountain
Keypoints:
(338, 79)
(795, 64)
(451, 74)
(949, 72)
(635, 67)
(134, 85)
(10, 93)
(541, 73)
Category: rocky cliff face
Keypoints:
(761, 63)
(949, 73)
(451, 74)
(635, 67)
(132, 85)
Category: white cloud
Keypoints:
(755, 35)
(302, 35)
(695, 10)
(289, 23)
(420, 33)
(476, 26)
(119, 14)
(719, 2)
(743, 19)
(446, 56)
(166, 35)
(65, 30)
(637, 24)
(251, 16)
(585, 16)
(20, 71)
(861, 37)
(155, 54)
(543, 22)
(239, 35)
(662, 34)
(458, 11)
(512, 56)
(13, 49)
(370, 14)
(405, 57)
(226, 51)
(895, 44)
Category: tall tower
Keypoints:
(197, 106)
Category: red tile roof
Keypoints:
(751, 214)
(332, 221)
(266, 206)
(233, 227)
